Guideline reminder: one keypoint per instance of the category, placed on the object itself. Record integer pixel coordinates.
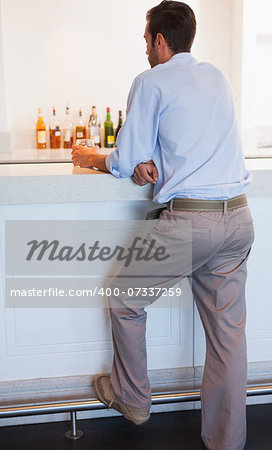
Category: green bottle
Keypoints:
(109, 133)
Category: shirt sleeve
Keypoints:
(137, 138)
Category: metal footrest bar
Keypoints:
(87, 405)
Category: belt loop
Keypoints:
(170, 205)
(225, 207)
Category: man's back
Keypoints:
(182, 115)
(198, 147)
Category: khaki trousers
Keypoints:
(212, 248)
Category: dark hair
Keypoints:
(176, 22)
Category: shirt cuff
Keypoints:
(108, 162)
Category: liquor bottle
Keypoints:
(81, 132)
(54, 131)
(40, 131)
(94, 127)
(67, 130)
(109, 133)
(120, 124)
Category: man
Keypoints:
(181, 134)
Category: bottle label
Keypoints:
(67, 135)
(94, 135)
(96, 139)
(94, 130)
(110, 139)
(57, 133)
(41, 136)
(79, 134)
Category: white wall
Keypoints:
(256, 73)
(85, 52)
(3, 121)
(4, 135)
(257, 64)
(263, 88)
(237, 50)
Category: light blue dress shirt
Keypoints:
(182, 115)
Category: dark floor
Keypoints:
(166, 431)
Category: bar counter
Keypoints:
(61, 182)
(51, 353)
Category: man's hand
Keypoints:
(89, 157)
(145, 173)
(83, 156)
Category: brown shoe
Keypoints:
(106, 395)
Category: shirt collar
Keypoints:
(184, 57)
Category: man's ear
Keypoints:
(160, 39)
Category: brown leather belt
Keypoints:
(191, 204)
